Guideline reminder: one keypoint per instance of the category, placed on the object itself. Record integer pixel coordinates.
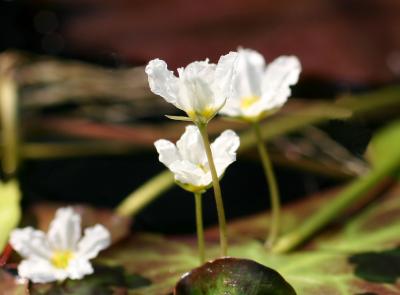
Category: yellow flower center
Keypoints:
(248, 101)
(61, 259)
(205, 114)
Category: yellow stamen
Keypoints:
(248, 101)
(61, 259)
(208, 112)
(204, 115)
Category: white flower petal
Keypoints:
(65, 230)
(168, 153)
(278, 77)
(29, 242)
(259, 90)
(40, 271)
(225, 73)
(190, 145)
(196, 87)
(95, 239)
(78, 268)
(189, 173)
(224, 150)
(162, 81)
(250, 69)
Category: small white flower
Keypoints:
(260, 90)
(200, 89)
(62, 253)
(188, 160)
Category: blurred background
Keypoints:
(74, 69)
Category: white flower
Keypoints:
(63, 252)
(259, 89)
(188, 159)
(200, 89)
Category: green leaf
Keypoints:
(384, 148)
(381, 267)
(179, 118)
(10, 211)
(234, 277)
(322, 267)
(104, 281)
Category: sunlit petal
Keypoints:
(65, 229)
(78, 268)
(224, 150)
(260, 90)
(162, 81)
(279, 76)
(167, 151)
(29, 242)
(201, 88)
(40, 271)
(192, 167)
(95, 239)
(224, 75)
(190, 145)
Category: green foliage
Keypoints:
(104, 281)
(10, 212)
(381, 267)
(384, 148)
(234, 277)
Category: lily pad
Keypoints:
(320, 267)
(234, 277)
(104, 281)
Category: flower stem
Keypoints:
(217, 190)
(273, 187)
(199, 227)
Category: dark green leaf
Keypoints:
(104, 281)
(234, 277)
(381, 267)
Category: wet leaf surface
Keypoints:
(104, 281)
(321, 267)
(234, 277)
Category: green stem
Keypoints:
(351, 194)
(217, 191)
(273, 187)
(9, 123)
(199, 227)
(360, 105)
(145, 194)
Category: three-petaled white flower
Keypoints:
(188, 160)
(259, 90)
(62, 253)
(200, 89)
